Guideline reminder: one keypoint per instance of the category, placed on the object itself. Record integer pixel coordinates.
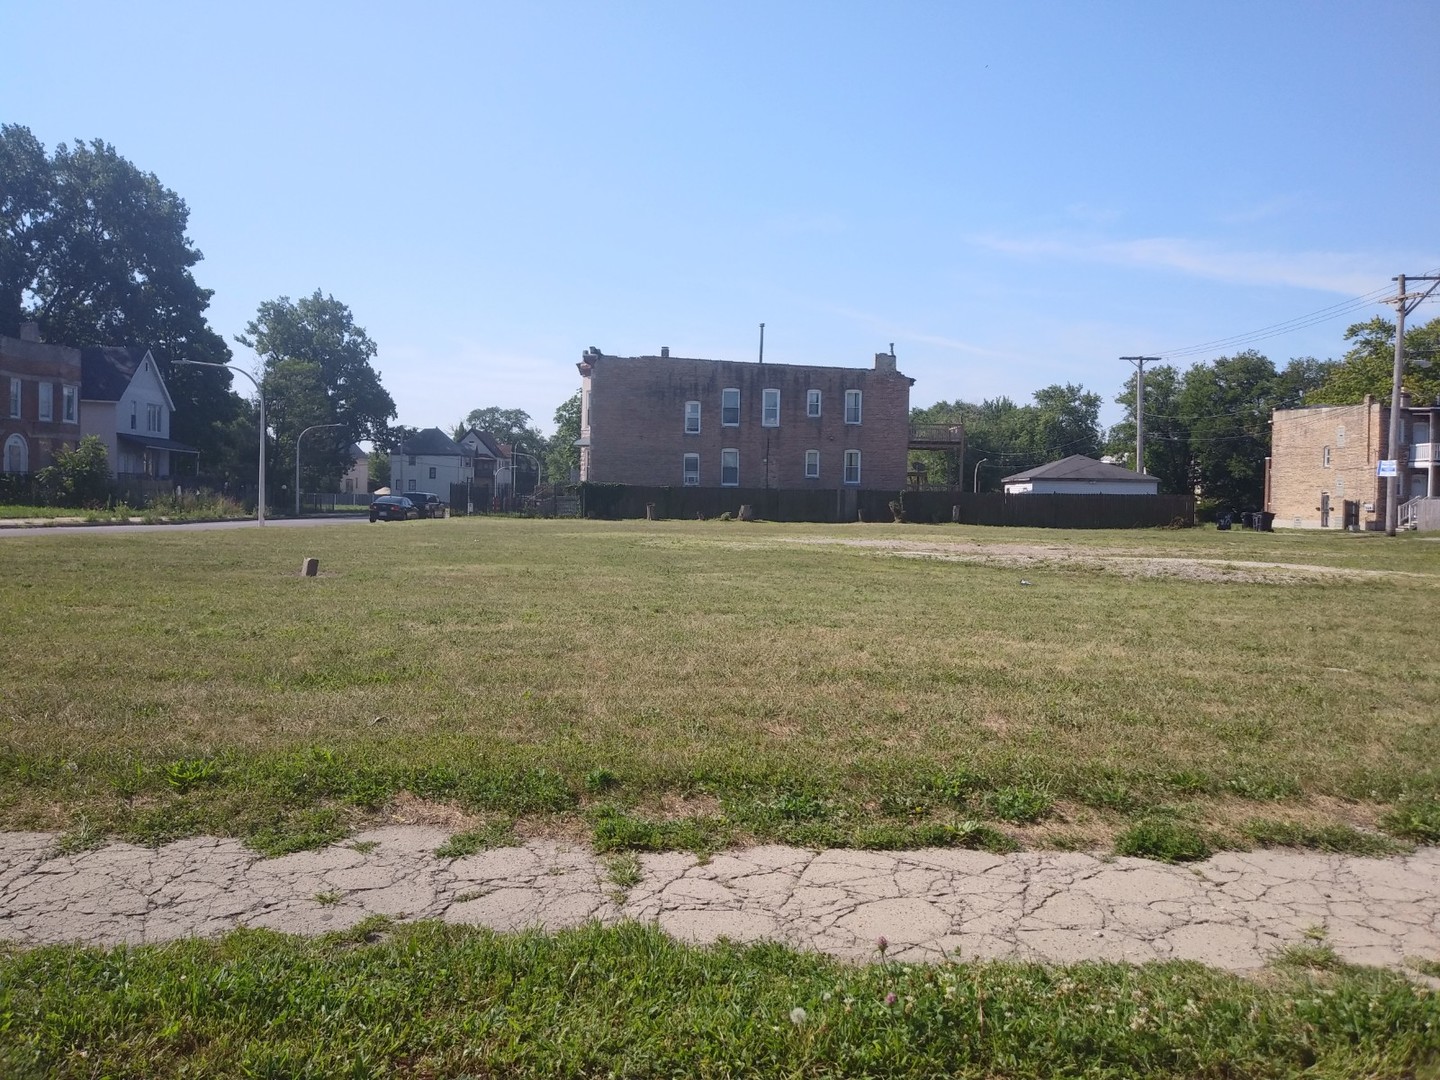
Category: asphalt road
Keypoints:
(130, 530)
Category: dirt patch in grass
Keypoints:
(1122, 562)
(408, 809)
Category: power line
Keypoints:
(1300, 322)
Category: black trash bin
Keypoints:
(1266, 521)
(1247, 520)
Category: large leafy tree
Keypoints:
(562, 455)
(95, 251)
(1226, 407)
(317, 370)
(1167, 433)
(1368, 366)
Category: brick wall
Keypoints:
(634, 418)
(1356, 436)
(34, 363)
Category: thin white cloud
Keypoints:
(1349, 275)
(918, 337)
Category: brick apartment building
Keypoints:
(40, 411)
(1321, 470)
(661, 421)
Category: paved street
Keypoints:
(1232, 911)
(11, 528)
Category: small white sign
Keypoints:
(1387, 468)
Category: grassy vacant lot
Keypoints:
(690, 684)
(429, 1000)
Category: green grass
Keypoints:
(711, 683)
(1340, 838)
(493, 834)
(427, 999)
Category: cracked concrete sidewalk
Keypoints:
(1232, 911)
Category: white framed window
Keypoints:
(432, 472)
(410, 459)
(730, 468)
(71, 396)
(852, 406)
(1340, 436)
(692, 418)
(152, 416)
(852, 465)
(410, 485)
(812, 464)
(15, 397)
(730, 407)
(770, 408)
(134, 412)
(812, 403)
(47, 401)
(1325, 458)
(690, 470)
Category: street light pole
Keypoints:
(975, 482)
(260, 501)
(312, 427)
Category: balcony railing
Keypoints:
(936, 436)
(1425, 453)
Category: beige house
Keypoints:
(357, 477)
(1322, 469)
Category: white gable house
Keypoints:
(124, 403)
(429, 461)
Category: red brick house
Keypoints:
(666, 421)
(40, 410)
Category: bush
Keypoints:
(79, 477)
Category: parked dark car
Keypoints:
(428, 503)
(393, 508)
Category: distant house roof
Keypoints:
(486, 440)
(355, 453)
(1079, 467)
(106, 370)
(432, 442)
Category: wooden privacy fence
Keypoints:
(1050, 511)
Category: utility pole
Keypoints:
(762, 343)
(1140, 362)
(1403, 306)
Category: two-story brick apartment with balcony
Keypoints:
(674, 421)
(1322, 468)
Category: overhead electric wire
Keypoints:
(1300, 322)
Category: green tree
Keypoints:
(511, 426)
(79, 476)
(562, 455)
(1368, 367)
(1066, 421)
(1225, 406)
(95, 250)
(317, 370)
(1167, 434)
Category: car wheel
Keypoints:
(372, 519)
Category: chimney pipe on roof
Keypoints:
(664, 350)
(885, 361)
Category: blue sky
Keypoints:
(1015, 194)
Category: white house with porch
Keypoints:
(124, 403)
